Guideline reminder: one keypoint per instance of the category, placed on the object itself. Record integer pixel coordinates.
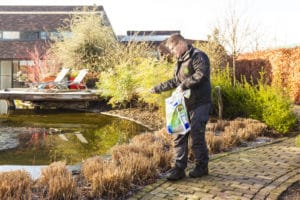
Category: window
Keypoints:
(29, 35)
(10, 35)
(44, 35)
(34, 35)
(59, 36)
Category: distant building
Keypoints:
(154, 37)
(25, 29)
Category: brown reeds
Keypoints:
(56, 182)
(15, 185)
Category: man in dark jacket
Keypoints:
(192, 71)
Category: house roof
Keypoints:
(25, 18)
(43, 8)
(35, 18)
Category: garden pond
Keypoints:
(48, 136)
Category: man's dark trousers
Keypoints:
(198, 119)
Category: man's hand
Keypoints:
(179, 89)
(154, 91)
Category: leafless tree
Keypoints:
(236, 32)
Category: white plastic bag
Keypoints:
(176, 113)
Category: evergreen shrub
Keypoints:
(261, 101)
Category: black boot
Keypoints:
(175, 173)
(198, 171)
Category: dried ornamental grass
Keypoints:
(140, 168)
(214, 142)
(57, 182)
(112, 183)
(15, 185)
(164, 136)
(222, 135)
(124, 150)
(92, 166)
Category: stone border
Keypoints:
(129, 119)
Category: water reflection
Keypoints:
(44, 138)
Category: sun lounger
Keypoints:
(77, 83)
(56, 83)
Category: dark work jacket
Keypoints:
(192, 71)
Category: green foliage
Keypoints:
(276, 108)
(232, 96)
(118, 84)
(298, 141)
(261, 102)
(150, 73)
(128, 81)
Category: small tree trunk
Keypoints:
(220, 102)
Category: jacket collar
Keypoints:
(186, 55)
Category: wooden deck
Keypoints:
(48, 98)
(28, 94)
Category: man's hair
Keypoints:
(174, 39)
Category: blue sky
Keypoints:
(276, 19)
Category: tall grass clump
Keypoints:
(112, 183)
(15, 185)
(259, 101)
(56, 182)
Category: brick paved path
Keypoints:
(254, 173)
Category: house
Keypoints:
(25, 30)
(154, 37)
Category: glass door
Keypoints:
(5, 74)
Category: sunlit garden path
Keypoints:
(261, 172)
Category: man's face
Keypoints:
(177, 49)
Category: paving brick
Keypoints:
(255, 173)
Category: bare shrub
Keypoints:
(57, 182)
(15, 185)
